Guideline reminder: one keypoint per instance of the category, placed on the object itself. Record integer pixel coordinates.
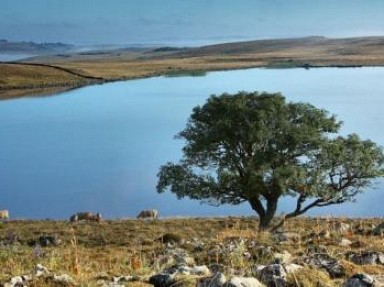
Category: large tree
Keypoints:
(257, 148)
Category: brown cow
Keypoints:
(150, 213)
(4, 214)
(87, 216)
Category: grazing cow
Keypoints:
(87, 216)
(151, 214)
(4, 214)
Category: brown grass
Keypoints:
(133, 247)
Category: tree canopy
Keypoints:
(256, 148)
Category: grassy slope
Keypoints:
(131, 247)
(129, 64)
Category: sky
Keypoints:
(185, 22)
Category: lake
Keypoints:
(99, 148)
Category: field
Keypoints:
(92, 253)
(78, 69)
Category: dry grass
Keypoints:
(134, 247)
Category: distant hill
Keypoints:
(33, 48)
(341, 46)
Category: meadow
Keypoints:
(91, 251)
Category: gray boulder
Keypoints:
(359, 280)
(367, 257)
(379, 230)
(162, 280)
(273, 275)
(331, 265)
(243, 282)
(217, 280)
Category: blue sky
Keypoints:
(185, 22)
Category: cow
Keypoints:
(87, 216)
(150, 214)
(4, 214)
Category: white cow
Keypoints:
(150, 213)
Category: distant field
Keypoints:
(111, 65)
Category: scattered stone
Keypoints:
(162, 280)
(366, 257)
(217, 280)
(378, 230)
(170, 238)
(217, 268)
(359, 280)
(286, 236)
(183, 269)
(326, 262)
(63, 279)
(345, 242)
(282, 258)
(378, 281)
(317, 249)
(341, 227)
(122, 279)
(292, 268)
(273, 275)
(243, 282)
(48, 240)
(40, 270)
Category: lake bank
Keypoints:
(80, 69)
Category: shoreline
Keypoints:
(45, 89)
(82, 69)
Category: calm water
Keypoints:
(99, 148)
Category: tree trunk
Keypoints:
(267, 214)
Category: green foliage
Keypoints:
(257, 148)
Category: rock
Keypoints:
(317, 249)
(48, 240)
(282, 258)
(183, 269)
(217, 280)
(359, 280)
(63, 279)
(286, 236)
(162, 280)
(257, 270)
(243, 282)
(170, 238)
(367, 257)
(341, 227)
(324, 261)
(122, 279)
(345, 242)
(40, 270)
(201, 270)
(217, 268)
(291, 268)
(378, 230)
(273, 275)
(378, 281)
